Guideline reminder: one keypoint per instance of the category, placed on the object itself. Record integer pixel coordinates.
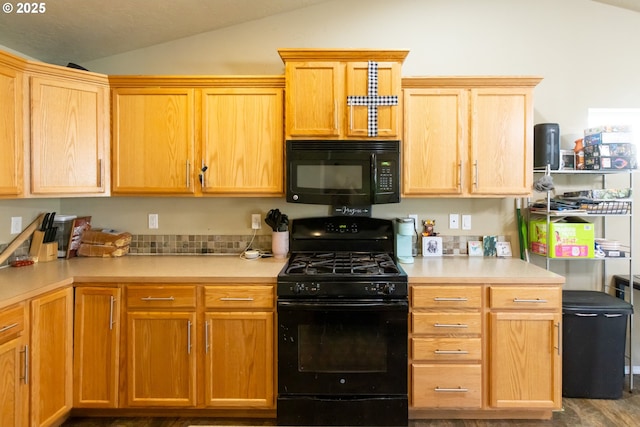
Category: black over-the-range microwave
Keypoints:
(340, 172)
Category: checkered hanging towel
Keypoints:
(372, 100)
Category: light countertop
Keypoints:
(20, 283)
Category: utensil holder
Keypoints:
(44, 252)
(280, 244)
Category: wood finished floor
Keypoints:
(624, 412)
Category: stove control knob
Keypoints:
(298, 288)
(388, 288)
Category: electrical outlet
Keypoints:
(454, 220)
(153, 221)
(415, 220)
(466, 222)
(16, 224)
(256, 222)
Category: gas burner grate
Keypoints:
(343, 263)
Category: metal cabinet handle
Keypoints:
(100, 173)
(206, 337)
(157, 299)
(188, 174)
(537, 300)
(475, 174)
(188, 336)
(460, 174)
(586, 314)
(451, 299)
(451, 390)
(451, 352)
(236, 299)
(25, 359)
(351, 117)
(450, 325)
(335, 115)
(557, 325)
(111, 321)
(6, 328)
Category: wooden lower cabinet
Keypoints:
(485, 351)
(96, 367)
(14, 350)
(239, 346)
(51, 361)
(526, 347)
(161, 346)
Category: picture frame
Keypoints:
(489, 245)
(503, 249)
(474, 248)
(567, 160)
(431, 246)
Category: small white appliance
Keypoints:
(405, 231)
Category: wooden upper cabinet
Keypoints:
(242, 141)
(435, 126)
(319, 82)
(314, 96)
(11, 122)
(501, 141)
(468, 136)
(69, 136)
(153, 141)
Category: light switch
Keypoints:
(454, 221)
(466, 222)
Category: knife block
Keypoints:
(43, 251)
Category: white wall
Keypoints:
(584, 50)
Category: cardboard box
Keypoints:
(569, 238)
(618, 149)
(607, 163)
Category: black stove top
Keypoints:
(342, 257)
(342, 263)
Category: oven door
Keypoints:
(342, 347)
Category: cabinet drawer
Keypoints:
(446, 297)
(11, 322)
(446, 324)
(446, 386)
(237, 296)
(447, 349)
(161, 296)
(529, 297)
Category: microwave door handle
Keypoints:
(374, 177)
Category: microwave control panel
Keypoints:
(385, 176)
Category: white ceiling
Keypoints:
(84, 30)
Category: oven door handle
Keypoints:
(351, 304)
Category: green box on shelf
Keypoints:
(571, 237)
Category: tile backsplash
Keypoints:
(202, 244)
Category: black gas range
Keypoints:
(342, 325)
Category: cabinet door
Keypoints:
(501, 141)
(51, 357)
(389, 83)
(242, 141)
(69, 137)
(525, 360)
(14, 391)
(11, 121)
(161, 359)
(435, 138)
(314, 99)
(239, 359)
(96, 347)
(153, 140)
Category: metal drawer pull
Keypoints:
(450, 325)
(6, 328)
(537, 300)
(111, 321)
(451, 352)
(188, 336)
(158, 299)
(453, 390)
(236, 299)
(206, 337)
(612, 315)
(25, 379)
(586, 314)
(451, 299)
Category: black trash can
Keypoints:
(593, 343)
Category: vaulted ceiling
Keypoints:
(83, 30)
